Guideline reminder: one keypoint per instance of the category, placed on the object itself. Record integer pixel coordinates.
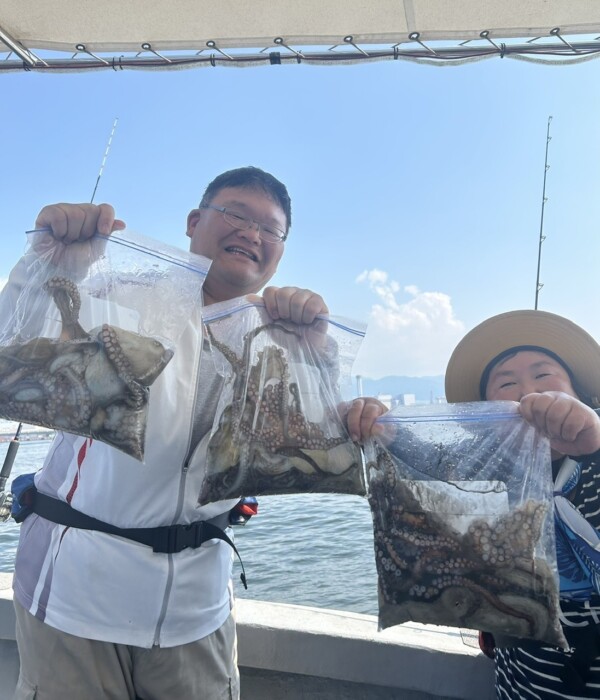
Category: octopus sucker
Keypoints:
(264, 435)
(92, 383)
(484, 576)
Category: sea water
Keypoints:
(310, 549)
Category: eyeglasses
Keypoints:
(267, 232)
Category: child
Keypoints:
(551, 367)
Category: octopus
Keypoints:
(94, 384)
(264, 442)
(485, 577)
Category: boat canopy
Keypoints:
(94, 34)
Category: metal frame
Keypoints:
(552, 48)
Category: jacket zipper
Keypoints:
(182, 484)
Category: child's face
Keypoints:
(527, 372)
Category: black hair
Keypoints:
(251, 177)
(510, 352)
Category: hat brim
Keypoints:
(576, 347)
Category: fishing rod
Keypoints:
(542, 238)
(9, 460)
(106, 152)
(6, 498)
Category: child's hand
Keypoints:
(572, 427)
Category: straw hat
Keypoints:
(579, 351)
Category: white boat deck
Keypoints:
(294, 652)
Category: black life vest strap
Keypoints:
(165, 539)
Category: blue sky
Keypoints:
(416, 189)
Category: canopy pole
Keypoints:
(27, 56)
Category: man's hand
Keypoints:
(293, 304)
(360, 415)
(66, 224)
(78, 222)
(572, 427)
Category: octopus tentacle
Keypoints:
(265, 418)
(485, 574)
(81, 399)
(82, 382)
(493, 600)
(110, 341)
(68, 300)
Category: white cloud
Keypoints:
(3, 281)
(414, 336)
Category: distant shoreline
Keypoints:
(28, 437)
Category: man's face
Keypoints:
(242, 263)
(527, 372)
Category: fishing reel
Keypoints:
(6, 500)
(243, 511)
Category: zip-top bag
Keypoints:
(277, 428)
(94, 325)
(461, 499)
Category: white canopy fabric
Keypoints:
(97, 26)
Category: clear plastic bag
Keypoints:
(461, 499)
(277, 429)
(94, 325)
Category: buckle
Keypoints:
(175, 538)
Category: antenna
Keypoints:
(110, 138)
(538, 284)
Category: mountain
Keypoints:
(424, 388)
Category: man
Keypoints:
(103, 617)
